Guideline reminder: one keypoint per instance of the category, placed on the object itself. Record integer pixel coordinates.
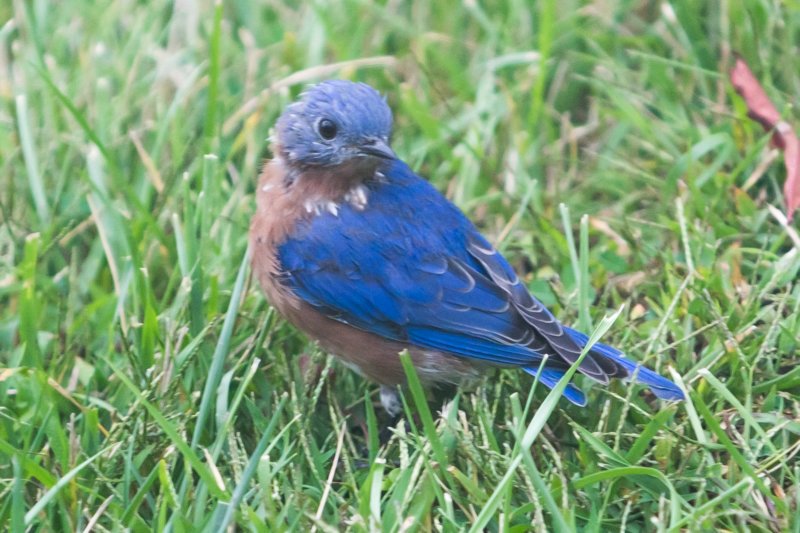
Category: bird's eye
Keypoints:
(327, 129)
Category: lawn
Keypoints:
(146, 384)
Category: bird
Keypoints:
(370, 260)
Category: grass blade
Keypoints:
(221, 351)
(424, 412)
(167, 427)
(536, 424)
(53, 491)
(31, 161)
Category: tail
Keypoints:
(661, 386)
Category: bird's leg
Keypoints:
(390, 400)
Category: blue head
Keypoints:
(333, 123)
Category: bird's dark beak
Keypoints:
(376, 148)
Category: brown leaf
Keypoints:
(791, 156)
(761, 109)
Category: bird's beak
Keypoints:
(377, 148)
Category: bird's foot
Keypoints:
(390, 400)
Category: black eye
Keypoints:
(327, 129)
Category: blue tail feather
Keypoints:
(550, 376)
(661, 386)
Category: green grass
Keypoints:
(146, 384)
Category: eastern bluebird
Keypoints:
(366, 257)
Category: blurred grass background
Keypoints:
(145, 384)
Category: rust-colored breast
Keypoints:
(277, 212)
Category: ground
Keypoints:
(145, 383)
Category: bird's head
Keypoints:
(334, 123)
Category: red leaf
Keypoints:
(791, 157)
(761, 109)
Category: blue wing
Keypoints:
(411, 267)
